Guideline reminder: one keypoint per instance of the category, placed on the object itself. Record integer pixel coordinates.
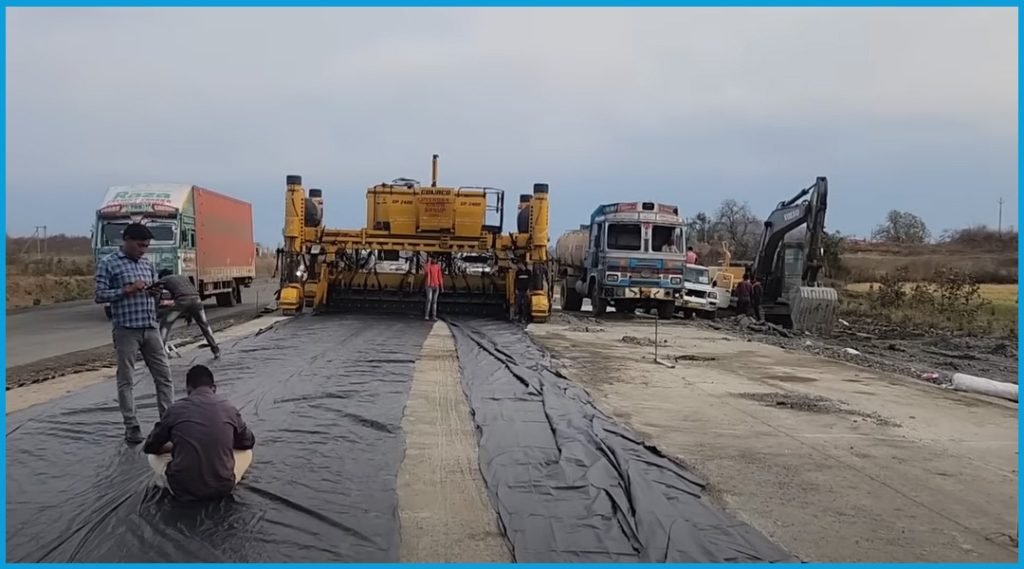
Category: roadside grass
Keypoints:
(995, 316)
(54, 279)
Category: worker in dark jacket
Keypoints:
(188, 303)
(756, 291)
(201, 447)
(743, 292)
(523, 278)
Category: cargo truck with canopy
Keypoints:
(199, 233)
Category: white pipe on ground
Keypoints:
(984, 386)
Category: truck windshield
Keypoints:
(111, 235)
(695, 275)
(624, 237)
(666, 239)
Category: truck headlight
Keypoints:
(713, 295)
(611, 278)
(675, 281)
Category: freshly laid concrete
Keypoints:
(836, 463)
(443, 506)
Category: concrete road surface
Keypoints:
(43, 332)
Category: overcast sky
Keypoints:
(913, 109)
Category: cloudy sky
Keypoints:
(913, 109)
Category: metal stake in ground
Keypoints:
(656, 342)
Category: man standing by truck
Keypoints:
(187, 303)
(124, 280)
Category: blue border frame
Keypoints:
(487, 3)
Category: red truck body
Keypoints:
(224, 237)
(225, 250)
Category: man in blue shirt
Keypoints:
(123, 280)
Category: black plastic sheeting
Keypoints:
(324, 397)
(569, 484)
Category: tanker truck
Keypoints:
(630, 256)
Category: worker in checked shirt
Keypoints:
(123, 279)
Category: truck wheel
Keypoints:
(571, 300)
(226, 299)
(625, 307)
(599, 304)
(666, 309)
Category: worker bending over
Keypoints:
(188, 303)
(201, 447)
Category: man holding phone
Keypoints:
(124, 280)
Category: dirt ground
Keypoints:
(933, 357)
(838, 463)
(445, 514)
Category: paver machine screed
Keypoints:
(380, 268)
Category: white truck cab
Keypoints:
(698, 295)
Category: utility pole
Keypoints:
(40, 242)
(1000, 217)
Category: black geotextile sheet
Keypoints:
(324, 397)
(569, 484)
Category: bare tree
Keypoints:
(902, 227)
(699, 228)
(736, 223)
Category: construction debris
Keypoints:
(693, 358)
(815, 404)
(641, 341)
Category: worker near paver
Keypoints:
(691, 256)
(756, 291)
(434, 284)
(523, 277)
(186, 303)
(123, 279)
(743, 292)
(201, 447)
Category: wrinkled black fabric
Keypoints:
(324, 397)
(569, 484)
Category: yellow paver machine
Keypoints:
(380, 268)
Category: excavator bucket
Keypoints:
(815, 309)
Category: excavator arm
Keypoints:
(789, 215)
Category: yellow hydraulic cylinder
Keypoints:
(539, 224)
(294, 214)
